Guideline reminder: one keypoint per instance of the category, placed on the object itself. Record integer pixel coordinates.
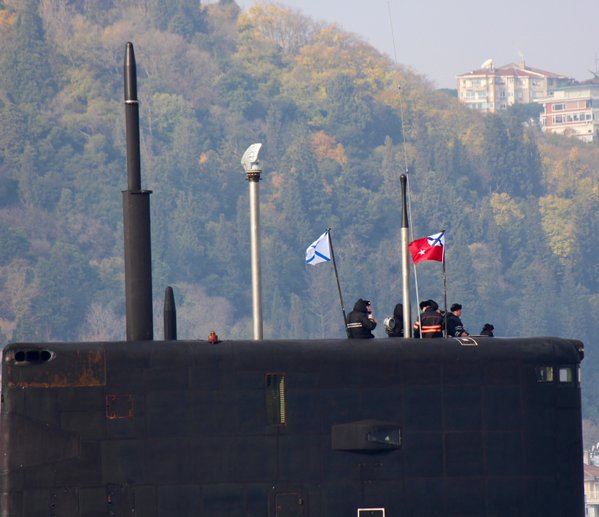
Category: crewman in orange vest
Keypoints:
(431, 320)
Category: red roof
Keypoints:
(514, 70)
(591, 473)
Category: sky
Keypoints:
(441, 39)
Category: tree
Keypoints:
(24, 69)
(322, 310)
(65, 287)
(20, 288)
(511, 158)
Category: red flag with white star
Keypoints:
(428, 248)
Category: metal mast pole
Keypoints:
(136, 220)
(405, 261)
(338, 284)
(253, 169)
(253, 179)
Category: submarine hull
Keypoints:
(375, 428)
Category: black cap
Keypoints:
(455, 307)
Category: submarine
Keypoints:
(398, 427)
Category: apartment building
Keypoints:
(572, 111)
(591, 481)
(490, 89)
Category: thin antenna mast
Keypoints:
(407, 199)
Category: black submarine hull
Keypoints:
(387, 427)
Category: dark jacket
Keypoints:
(358, 323)
(432, 324)
(455, 327)
(487, 330)
(397, 329)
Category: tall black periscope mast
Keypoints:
(136, 214)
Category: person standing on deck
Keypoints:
(431, 320)
(455, 327)
(361, 321)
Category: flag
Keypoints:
(429, 248)
(319, 251)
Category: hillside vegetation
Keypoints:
(339, 123)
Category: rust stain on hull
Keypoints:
(85, 368)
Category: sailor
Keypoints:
(487, 330)
(430, 319)
(361, 321)
(394, 324)
(455, 327)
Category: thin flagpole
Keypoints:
(417, 302)
(338, 284)
(411, 228)
(444, 288)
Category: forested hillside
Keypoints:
(339, 123)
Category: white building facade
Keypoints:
(591, 482)
(572, 111)
(491, 89)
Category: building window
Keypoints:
(559, 107)
(558, 119)
(276, 399)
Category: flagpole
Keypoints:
(444, 290)
(338, 284)
(417, 302)
(405, 265)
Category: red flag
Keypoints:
(429, 248)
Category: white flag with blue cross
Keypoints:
(319, 251)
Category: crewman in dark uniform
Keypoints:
(360, 321)
(431, 320)
(487, 330)
(455, 327)
(394, 324)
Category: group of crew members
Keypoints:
(431, 324)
